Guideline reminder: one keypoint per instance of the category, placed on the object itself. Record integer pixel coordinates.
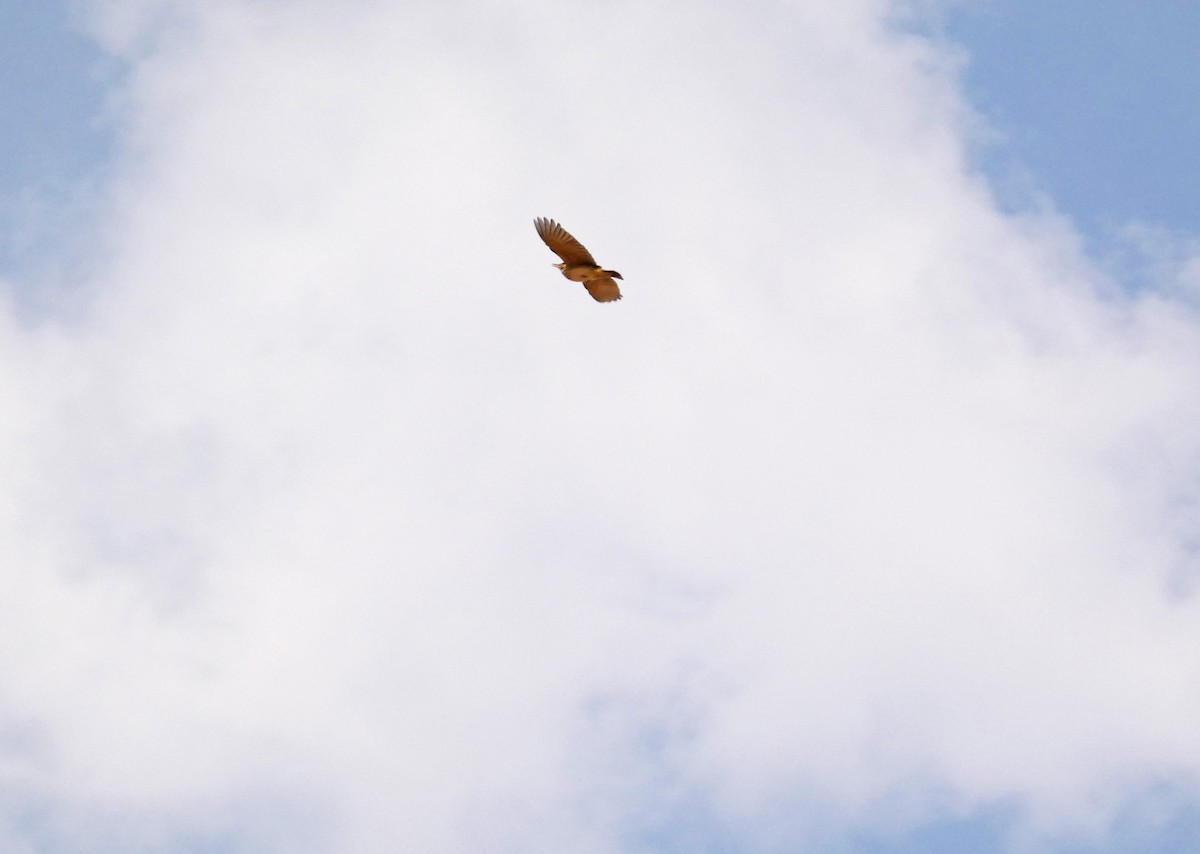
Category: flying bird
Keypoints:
(578, 265)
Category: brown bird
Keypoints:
(578, 265)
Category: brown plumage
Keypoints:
(578, 265)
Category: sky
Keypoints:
(1089, 105)
(332, 518)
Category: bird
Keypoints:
(578, 265)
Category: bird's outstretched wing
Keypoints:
(561, 243)
(603, 290)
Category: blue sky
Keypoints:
(864, 555)
(53, 93)
(1095, 100)
(53, 82)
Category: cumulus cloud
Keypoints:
(335, 517)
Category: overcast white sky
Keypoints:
(333, 519)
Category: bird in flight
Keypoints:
(578, 265)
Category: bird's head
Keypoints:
(560, 265)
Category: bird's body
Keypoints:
(585, 272)
(578, 265)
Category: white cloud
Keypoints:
(339, 518)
